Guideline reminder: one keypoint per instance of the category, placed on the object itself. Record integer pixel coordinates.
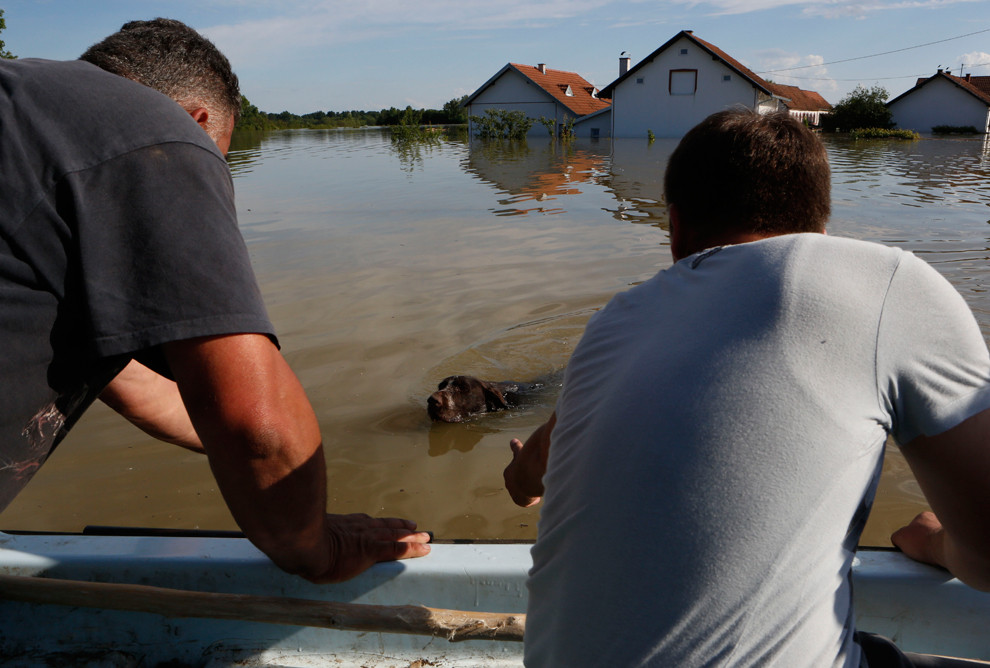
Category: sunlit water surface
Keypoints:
(387, 268)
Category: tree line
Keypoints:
(253, 118)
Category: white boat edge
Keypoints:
(920, 607)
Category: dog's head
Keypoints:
(459, 397)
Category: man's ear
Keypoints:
(201, 115)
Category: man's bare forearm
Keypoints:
(264, 447)
(263, 444)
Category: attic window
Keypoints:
(683, 82)
(569, 92)
(639, 80)
(726, 77)
(683, 52)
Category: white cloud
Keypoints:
(847, 8)
(819, 8)
(975, 60)
(804, 71)
(298, 24)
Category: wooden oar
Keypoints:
(454, 625)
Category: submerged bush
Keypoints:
(416, 133)
(955, 130)
(502, 124)
(883, 133)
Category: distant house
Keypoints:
(685, 80)
(537, 91)
(943, 99)
(804, 105)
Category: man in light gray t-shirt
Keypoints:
(720, 433)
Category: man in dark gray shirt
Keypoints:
(121, 260)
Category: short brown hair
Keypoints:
(172, 58)
(741, 171)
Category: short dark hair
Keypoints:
(172, 58)
(742, 171)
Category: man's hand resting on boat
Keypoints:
(953, 470)
(524, 474)
(358, 541)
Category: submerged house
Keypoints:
(943, 99)
(537, 91)
(687, 79)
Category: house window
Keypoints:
(639, 80)
(726, 77)
(683, 52)
(683, 82)
(595, 133)
(569, 92)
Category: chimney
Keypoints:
(624, 60)
(968, 75)
(542, 67)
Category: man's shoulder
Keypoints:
(66, 97)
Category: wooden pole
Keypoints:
(454, 625)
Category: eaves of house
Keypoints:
(978, 87)
(716, 53)
(793, 97)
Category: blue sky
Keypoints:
(308, 55)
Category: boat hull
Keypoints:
(920, 607)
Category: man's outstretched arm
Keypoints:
(264, 447)
(524, 474)
(953, 470)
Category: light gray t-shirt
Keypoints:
(719, 438)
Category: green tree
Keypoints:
(862, 108)
(251, 118)
(454, 112)
(4, 53)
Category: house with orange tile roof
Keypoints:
(537, 91)
(943, 99)
(686, 79)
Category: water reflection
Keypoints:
(538, 172)
(635, 180)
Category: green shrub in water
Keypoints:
(883, 133)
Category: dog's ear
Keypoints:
(494, 399)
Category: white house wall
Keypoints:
(513, 92)
(638, 107)
(939, 102)
(594, 126)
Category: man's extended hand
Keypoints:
(524, 474)
(359, 541)
(523, 492)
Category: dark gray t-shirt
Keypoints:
(117, 233)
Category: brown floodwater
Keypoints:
(386, 268)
